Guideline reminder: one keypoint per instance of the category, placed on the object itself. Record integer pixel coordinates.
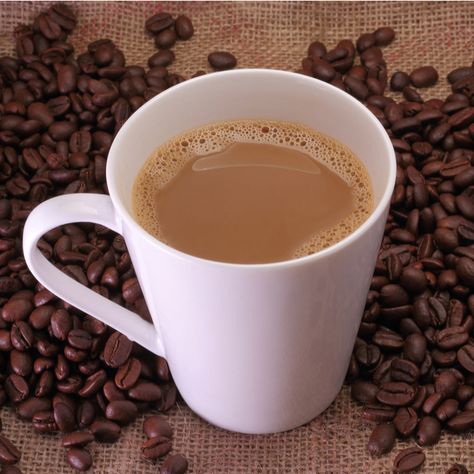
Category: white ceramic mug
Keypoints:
(252, 348)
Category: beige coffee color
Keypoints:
(276, 35)
(240, 213)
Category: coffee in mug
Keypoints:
(252, 191)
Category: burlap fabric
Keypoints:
(274, 35)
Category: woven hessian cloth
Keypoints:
(273, 35)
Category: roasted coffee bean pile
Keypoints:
(63, 370)
(413, 361)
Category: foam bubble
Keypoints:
(168, 159)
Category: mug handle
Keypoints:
(66, 209)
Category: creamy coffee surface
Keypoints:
(252, 191)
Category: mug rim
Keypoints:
(374, 216)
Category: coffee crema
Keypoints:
(252, 191)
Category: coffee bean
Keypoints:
(323, 70)
(465, 204)
(64, 417)
(85, 414)
(9, 454)
(79, 458)
(9, 469)
(221, 60)
(111, 392)
(121, 411)
(21, 363)
(405, 421)
(384, 36)
(105, 431)
(368, 355)
(465, 357)
(396, 394)
(414, 348)
(32, 405)
(157, 447)
(177, 464)
(382, 439)
(131, 290)
(16, 388)
(166, 38)
(357, 88)
(77, 438)
(452, 338)
(169, 394)
(5, 341)
(79, 339)
(457, 469)
(145, 391)
(117, 350)
(16, 310)
(128, 374)
(404, 371)
(93, 383)
(184, 27)
(61, 324)
(462, 422)
(364, 392)
(387, 340)
(446, 383)
(43, 421)
(429, 431)
(162, 58)
(413, 279)
(425, 76)
(393, 295)
(157, 426)
(158, 22)
(447, 409)
(408, 460)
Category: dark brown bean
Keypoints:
(384, 35)
(221, 60)
(465, 357)
(32, 405)
(9, 454)
(446, 383)
(157, 426)
(128, 374)
(184, 27)
(156, 447)
(447, 409)
(465, 271)
(408, 460)
(405, 421)
(457, 469)
(462, 422)
(396, 394)
(64, 417)
(79, 458)
(121, 411)
(364, 391)
(105, 431)
(425, 76)
(78, 439)
(158, 22)
(178, 464)
(382, 439)
(428, 432)
(145, 391)
(166, 38)
(117, 350)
